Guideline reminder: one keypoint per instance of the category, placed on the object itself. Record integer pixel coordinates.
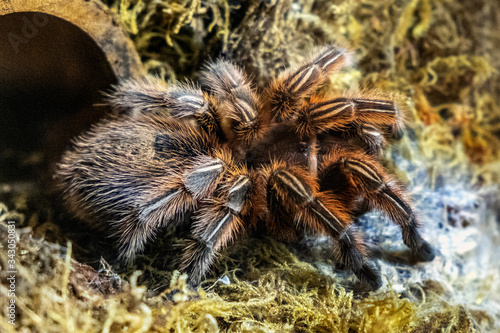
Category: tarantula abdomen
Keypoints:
(223, 160)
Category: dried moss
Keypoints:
(172, 35)
(57, 294)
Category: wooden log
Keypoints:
(56, 59)
(95, 19)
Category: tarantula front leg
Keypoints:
(241, 119)
(369, 135)
(372, 138)
(220, 221)
(288, 91)
(152, 96)
(295, 204)
(358, 173)
(368, 116)
(181, 193)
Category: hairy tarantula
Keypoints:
(222, 160)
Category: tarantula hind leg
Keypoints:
(366, 177)
(290, 192)
(217, 223)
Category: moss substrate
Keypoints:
(439, 57)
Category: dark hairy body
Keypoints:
(224, 161)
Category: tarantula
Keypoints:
(222, 160)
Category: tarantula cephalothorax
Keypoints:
(221, 160)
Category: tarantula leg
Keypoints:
(369, 137)
(350, 253)
(367, 177)
(372, 137)
(132, 236)
(223, 79)
(173, 207)
(390, 199)
(287, 92)
(134, 231)
(153, 96)
(204, 174)
(218, 223)
(196, 182)
(139, 96)
(289, 194)
(241, 119)
(370, 115)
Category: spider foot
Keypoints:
(367, 274)
(196, 260)
(425, 252)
